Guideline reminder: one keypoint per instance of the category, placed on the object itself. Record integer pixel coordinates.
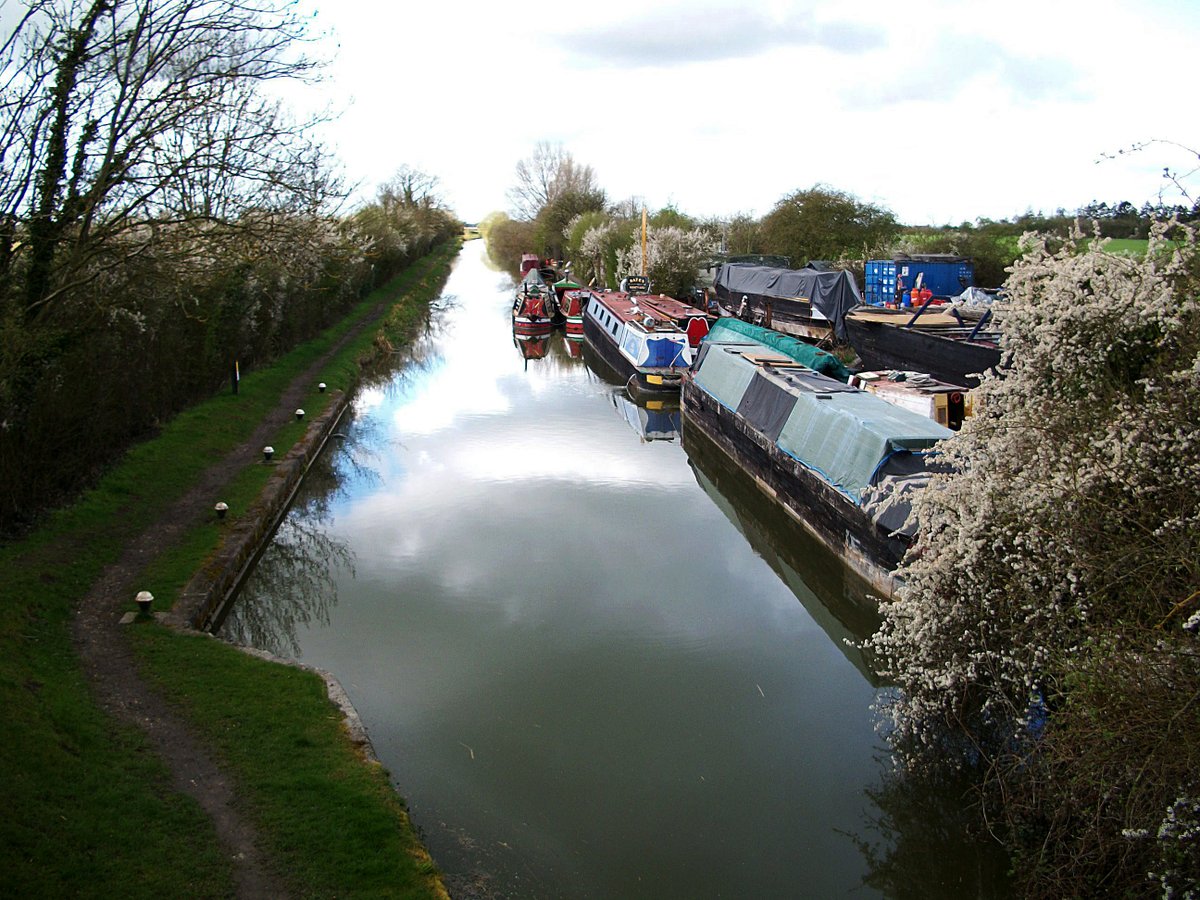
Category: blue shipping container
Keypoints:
(946, 278)
(880, 282)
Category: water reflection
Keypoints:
(532, 346)
(295, 583)
(580, 656)
(654, 420)
(929, 844)
(837, 599)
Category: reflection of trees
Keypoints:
(294, 584)
(931, 843)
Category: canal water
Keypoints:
(596, 662)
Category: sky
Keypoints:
(940, 111)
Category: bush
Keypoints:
(1047, 628)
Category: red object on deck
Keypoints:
(697, 328)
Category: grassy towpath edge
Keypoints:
(92, 810)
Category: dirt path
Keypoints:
(108, 658)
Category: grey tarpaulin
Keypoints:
(832, 294)
(766, 405)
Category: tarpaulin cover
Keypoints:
(766, 405)
(842, 433)
(845, 436)
(725, 375)
(663, 352)
(793, 348)
(832, 294)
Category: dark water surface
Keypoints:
(596, 664)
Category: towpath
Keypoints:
(108, 659)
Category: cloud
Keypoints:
(681, 36)
(946, 71)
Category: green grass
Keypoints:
(332, 822)
(88, 809)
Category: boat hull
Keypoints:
(817, 507)
(881, 345)
(530, 326)
(641, 381)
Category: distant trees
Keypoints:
(823, 223)
(544, 176)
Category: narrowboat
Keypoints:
(937, 343)
(570, 307)
(533, 305)
(529, 262)
(808, 303)
(647, 339)
(845, 464)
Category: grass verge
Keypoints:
(90, 811)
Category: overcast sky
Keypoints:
(940, 111)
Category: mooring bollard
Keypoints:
(299, 414)
(222, 507)
(268, 452)
(143, 600)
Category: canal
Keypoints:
(594, 660)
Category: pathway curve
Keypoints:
(108, 658)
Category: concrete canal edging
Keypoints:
(205, 599)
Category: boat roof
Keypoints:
(844, 434)
(931, 318)
(665, 311)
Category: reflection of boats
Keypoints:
(843, 462)
(836, 598)
(532, 346)
(570, 307)
(654, 420)
(573, 345)
(647, 339)
(805, 303)
(927, 340)
(533, 305)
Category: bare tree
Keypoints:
(118, 117)
(546, 175)
(410, 188)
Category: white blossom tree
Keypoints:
(1047, 628)
(673, 258)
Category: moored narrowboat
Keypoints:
(934, 342)
(648, 340)
(842, 462)
(533, 305)
(570, 307)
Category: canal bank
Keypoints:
(123, 777)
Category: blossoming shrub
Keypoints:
(1046, 630)
(674, 256)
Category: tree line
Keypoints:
(163, 216)
(559, 210)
